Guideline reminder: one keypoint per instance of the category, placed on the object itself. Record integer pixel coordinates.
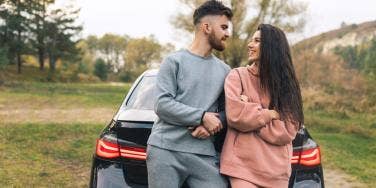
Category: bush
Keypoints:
(126, 76)
(130, 76)
(87, 78)
(100, 69)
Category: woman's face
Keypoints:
(254, 47)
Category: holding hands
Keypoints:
(210, 126)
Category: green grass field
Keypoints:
(347, 142)
(48, 132)
(89, 95)
(47, 155)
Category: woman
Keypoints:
(264, 112)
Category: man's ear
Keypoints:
(206, 28)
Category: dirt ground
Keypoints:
(53, 115)
(338, 179)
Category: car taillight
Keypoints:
(307, 157)
(110, 150)
(107, 149)
(133, 152)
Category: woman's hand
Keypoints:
(244, 98)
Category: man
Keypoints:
(189, 86)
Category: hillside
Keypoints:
(349, 35)
(337, 73)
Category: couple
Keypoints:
(263, 106)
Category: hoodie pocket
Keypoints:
(263, 158)
(243, 148)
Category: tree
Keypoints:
(111, 48)
(38, 23)
(140, 54)
(61, 33)
(92, 43)
(142, 51)
(13, 29)
(86, 63)
(367, 59)
(3, 62)
(361, 57)
(3, 58)
(283, 13)
(100, 69)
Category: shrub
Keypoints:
(100, 69)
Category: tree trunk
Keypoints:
(52, 63)
(19, 49)
(41, 59)
(19, 63)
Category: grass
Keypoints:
(347, 142)
(48, 132)
(45, 155)
(89, 95)
(29, 73)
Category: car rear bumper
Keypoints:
(307, 178)
(110, 174)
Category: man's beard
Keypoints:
(215, 43)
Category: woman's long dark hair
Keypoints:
(277, 74)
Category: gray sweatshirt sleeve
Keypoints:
(221, 109)
(166, 107)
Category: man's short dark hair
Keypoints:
(211, 7)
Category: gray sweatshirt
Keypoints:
(187, 86)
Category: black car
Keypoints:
(119, 158)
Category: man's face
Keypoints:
(219, 32)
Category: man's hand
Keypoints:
(211, 122)
(200, 132)
(274, 114)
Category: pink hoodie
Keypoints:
(257, 148)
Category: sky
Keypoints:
(139, 18)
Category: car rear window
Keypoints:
(143, 96)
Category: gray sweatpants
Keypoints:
(169, 169)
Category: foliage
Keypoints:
(112, 46)
(3, 58)
(36, 28)
(328, 83)
(39, 19)
(142, 51)
(126, 58)
(101, 69)
(13, 29)
(361, 57)
(62, 30)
